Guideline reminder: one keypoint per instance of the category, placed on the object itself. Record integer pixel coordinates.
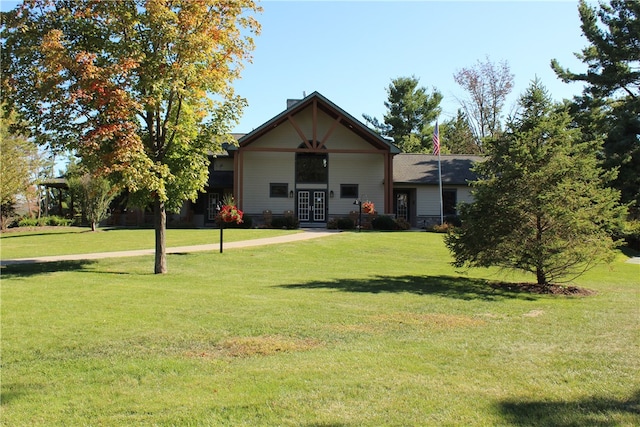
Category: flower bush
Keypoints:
(230, 212)
(368, 207)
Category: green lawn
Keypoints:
(77, 240)
(356, 329)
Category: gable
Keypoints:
(319, 124)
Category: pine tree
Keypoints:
(613, 86)
(540, 203)
(410, 110)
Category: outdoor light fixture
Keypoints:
(331, 194)
(359, 203)
(291, 194)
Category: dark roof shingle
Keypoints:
(423, 169)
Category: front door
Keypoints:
(402, 205)
(312, 205)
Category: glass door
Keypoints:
(402, 206)
(312, 205)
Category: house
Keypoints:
(314, 160)
(416, 186)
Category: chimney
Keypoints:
(292, 102)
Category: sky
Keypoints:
(349, 51)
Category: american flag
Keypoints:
(436, 141)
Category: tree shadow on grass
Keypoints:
(598, 411)
(34, 269)
(446, 286)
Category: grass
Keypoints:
(77, 240)
(357, 329)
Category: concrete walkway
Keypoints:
(305, 235)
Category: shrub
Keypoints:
(384, 223)
(344, 223)
(453, 220)
(444, 228)
(288, 222)
(403, 224)
(58, 221)
(55, 221)
(28, 222)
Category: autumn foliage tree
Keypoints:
(140, 89)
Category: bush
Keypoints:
(444, 228)
(57, 221)
(453, 220)
(403, 224)
(29, 222)
(384, 223)
(285, 222)
(344, 223)
(54, 221)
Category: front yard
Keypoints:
(359, 329)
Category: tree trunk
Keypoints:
(93, 226)
(160, 223)
(542, 277)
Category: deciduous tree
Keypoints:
(540, 203)
(20, 165)
(140, 89)
(487, 85)
(94, 193)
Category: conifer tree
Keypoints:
(611, 97)
(540, 202)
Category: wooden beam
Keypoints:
(237, 179)
(330, 131)
(299, 131)
(314, 109)
(315, 150)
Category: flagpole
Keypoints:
(440, 189)
(436, 150)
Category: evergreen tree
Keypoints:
(613, 87)
(410, 111)
(540, 203)
(457, 136)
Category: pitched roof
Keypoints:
(329, 108)
(423, 169)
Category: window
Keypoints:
(449, 201)
(278, 189)
(312, 168)
(348, 191)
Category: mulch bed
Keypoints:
(534, 288)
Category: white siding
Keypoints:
(343, 138)
(282, 136)
(261, 169)
(366, 170)
(428, 200)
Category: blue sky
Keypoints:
(350, 50)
